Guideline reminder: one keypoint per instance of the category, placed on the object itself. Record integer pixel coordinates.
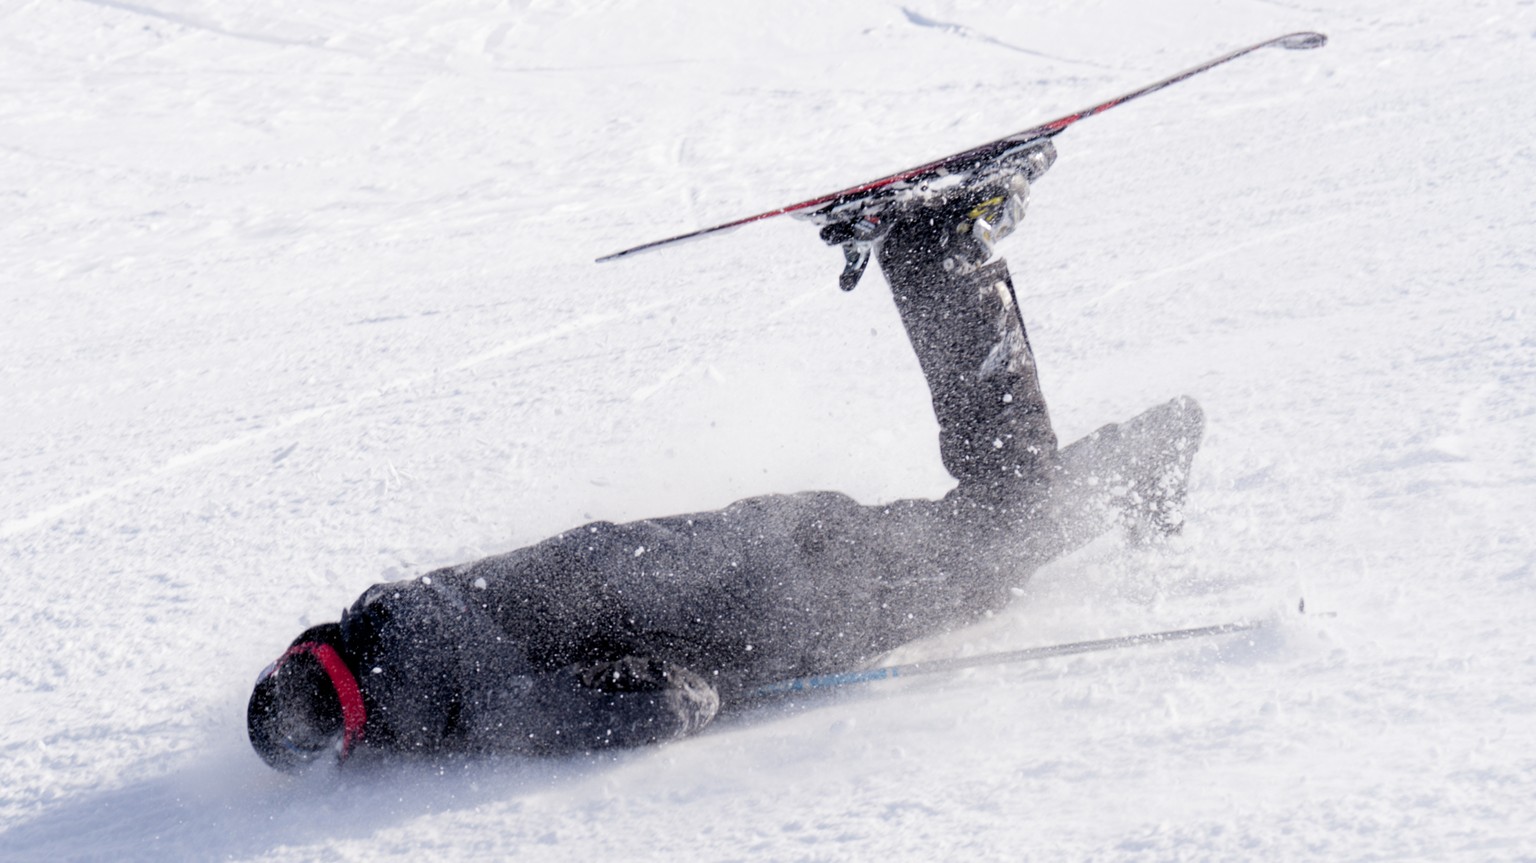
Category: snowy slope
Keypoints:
(297, 297)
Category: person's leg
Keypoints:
(1131, 474)
(948, 562)
(961, 555)
(963, 321)
(961, 315)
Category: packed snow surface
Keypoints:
(296, 297)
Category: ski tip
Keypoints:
(1303, 41)
(630, 251)
(682, 238)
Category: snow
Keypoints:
(298, 297)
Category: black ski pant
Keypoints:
(995, 433)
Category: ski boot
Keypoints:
(983, 204)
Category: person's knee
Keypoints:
(1186, 414)
(1178, 419)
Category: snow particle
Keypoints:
(479, 584)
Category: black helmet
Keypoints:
(306, 704)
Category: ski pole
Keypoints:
(938, 666)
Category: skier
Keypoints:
(617, 635)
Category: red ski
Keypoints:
(822, 208)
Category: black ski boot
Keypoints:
(980, 208)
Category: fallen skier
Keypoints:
(614, 635)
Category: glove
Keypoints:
(625, 702)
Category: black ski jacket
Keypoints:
(623, 634)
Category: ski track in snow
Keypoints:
(1213, 255)
(187, 21)
(299, 297)
(965, 32)
(187, 460)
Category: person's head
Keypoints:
(306, 704)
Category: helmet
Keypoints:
(305, 704)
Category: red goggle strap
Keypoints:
(354, 716)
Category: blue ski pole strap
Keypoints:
(939, 666)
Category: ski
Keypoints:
(939, 666)
(826, 208)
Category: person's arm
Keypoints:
(625, 702)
